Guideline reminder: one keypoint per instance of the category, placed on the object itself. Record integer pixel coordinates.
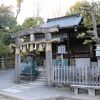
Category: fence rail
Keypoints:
(68, 75)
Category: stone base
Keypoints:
(75, 91)
(91, 92)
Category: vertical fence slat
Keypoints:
(67, 74)
(64, 74)
(76, 75)
(61, 74)
(55, 73)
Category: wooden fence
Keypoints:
(68, 75)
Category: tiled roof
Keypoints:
(63, 22)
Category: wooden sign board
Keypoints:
(61, 49)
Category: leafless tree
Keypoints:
(19, 3)
(57, 12)
(37, 9)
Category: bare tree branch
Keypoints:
(19, 3)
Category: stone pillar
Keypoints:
(48, 59)
(17, 61)
(32, 37)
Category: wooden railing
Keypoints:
(68, 75)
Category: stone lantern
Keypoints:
(97, 50)
(3, 62)
(98, 54)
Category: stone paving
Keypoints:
(23, 87)
(35, 90)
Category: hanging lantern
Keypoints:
(17, 51)
(24, 49)
(31, 47)
(40, 47)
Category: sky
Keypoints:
(47, 8)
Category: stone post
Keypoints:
(48, 58)
(3, 63)
(32, 38)
(17, 61)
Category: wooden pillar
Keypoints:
(68, 43)
(17, 61)
(48, 59)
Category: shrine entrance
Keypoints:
(32, 64)
(29, 69)
(57, 57)
(40, 59)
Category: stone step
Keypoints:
(42, 75)
(36, 83)
(40, 79)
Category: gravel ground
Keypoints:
(2, 97)
(61, 98)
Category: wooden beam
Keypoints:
(34, 31)
(38, 42)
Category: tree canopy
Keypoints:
(84, 8)
(81, 7)
(8, 24)
(7, 19)
(32, 21)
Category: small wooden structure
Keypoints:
(67, 60)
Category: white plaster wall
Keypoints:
(81, 62)
(94, 63)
